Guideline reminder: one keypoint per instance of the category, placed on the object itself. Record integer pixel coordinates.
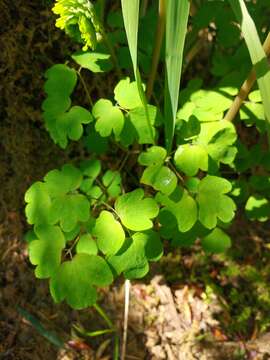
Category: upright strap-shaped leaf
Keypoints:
(176, 27)
(130, 9)
(257, 54)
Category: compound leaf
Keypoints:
(38, 204)
(61, 80)
(60, 182)
(74, 280)
(161, 178)
(46, 251)
(155, 155)
(109, 233)
(91, 168)
(112, 181)
(87, 245)
(152, 244)
(258, 208)
(69, 125)
(217, 241)
(218, 138)
(135, 211)
(190, 158)
(138, 119)
(212, 201)
(69, 210)
(133, 258)
(109, 118)
(127, 95)
(93, 61)
(182, 206)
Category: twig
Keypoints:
(157, 48)
(246, 87)
(124, 344)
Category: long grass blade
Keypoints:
(50, 336)
(257, 54)
(177, 13)
(131, 9)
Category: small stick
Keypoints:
(246, 87)
(126, 310)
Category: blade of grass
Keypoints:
(130, 10)
(104, 316)
(257, 54)
(51, 337)
(177, 13)
(93, 333)
(157, 48)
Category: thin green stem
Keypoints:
(112, 52)
(85, 87)
(157, 48)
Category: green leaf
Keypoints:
(53, 106)
(127, 95)
(256, 51)
(61, 81)
(260, 182)
(91, 168)
(109, 118)
(135, 211)
(38, 204)
(152, 244)
(182, 206)
(133, 258)
(130, 259)
(218, 139)
(69, 210)
(60, 182)
(161, 178)
(212, 101)
(155, 155)
(213, 203)
(139, 121)
(46, 251)
(109, 233)
(93, 61)
(112, 181)
(258, 208)
(217, 241)
(87, 245)
(191, 158)
(74, 280)
(71, 235)
(95, 143)
(177, 13)
(70, 124)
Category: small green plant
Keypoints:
(100, 218)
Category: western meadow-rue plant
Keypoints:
(183, 169)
